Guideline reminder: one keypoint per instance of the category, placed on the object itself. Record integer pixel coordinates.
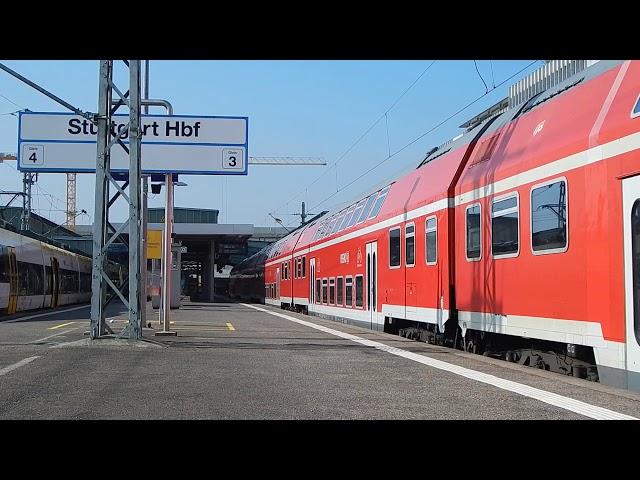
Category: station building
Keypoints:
(209, 249)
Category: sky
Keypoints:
(313, 108)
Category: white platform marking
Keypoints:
(555, 399)
(21, 363)
(23, 319)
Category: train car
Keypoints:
(246, 280)
(36, 275)
(519, 239)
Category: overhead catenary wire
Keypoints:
(363, 135)
(11, 101)
(426, 133)
(485, 83)
(493, 81)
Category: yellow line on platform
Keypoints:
(58, 326)
(230, 327)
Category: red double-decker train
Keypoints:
(520, 239)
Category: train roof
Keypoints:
(539, 131)
(432, 176)
(8, 229)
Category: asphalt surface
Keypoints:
(230, 361)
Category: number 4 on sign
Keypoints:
(33, 155)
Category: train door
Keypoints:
(312, 281)
(55, 274)
(278, 283)
(372, 283)
(12, 306)
(631, 221)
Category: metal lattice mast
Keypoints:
(71, 201)
(27, 182)
(104, 233)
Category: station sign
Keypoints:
(231, 248)
(199, 145)
(154, 244)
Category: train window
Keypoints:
(304, 266)
(36, 274)
(324, 290)
(635, 265)
(4, 265)
(318, 234)
(332, 291)
(431, 240)
(410, 244)
(474, 249)
(23, 278)
(636, 109)
(367, 207)
(49, 274)
(359, 291)
(338, 222)
(379, 202)
(282, 271)
(339, 290)
(549, 217)
(331, 226)
(356, 213)
(85, 282)
(69, 281)
(394, 247)
(318, 291)
(505, 228)
(348, 291)
(347, 218)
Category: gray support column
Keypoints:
(135, 136)
(212, 271)
(99, 220)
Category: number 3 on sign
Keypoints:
(232, 159)
(32, 155)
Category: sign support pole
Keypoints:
(166, 258)
(145, 213)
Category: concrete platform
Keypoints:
(237, 361)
